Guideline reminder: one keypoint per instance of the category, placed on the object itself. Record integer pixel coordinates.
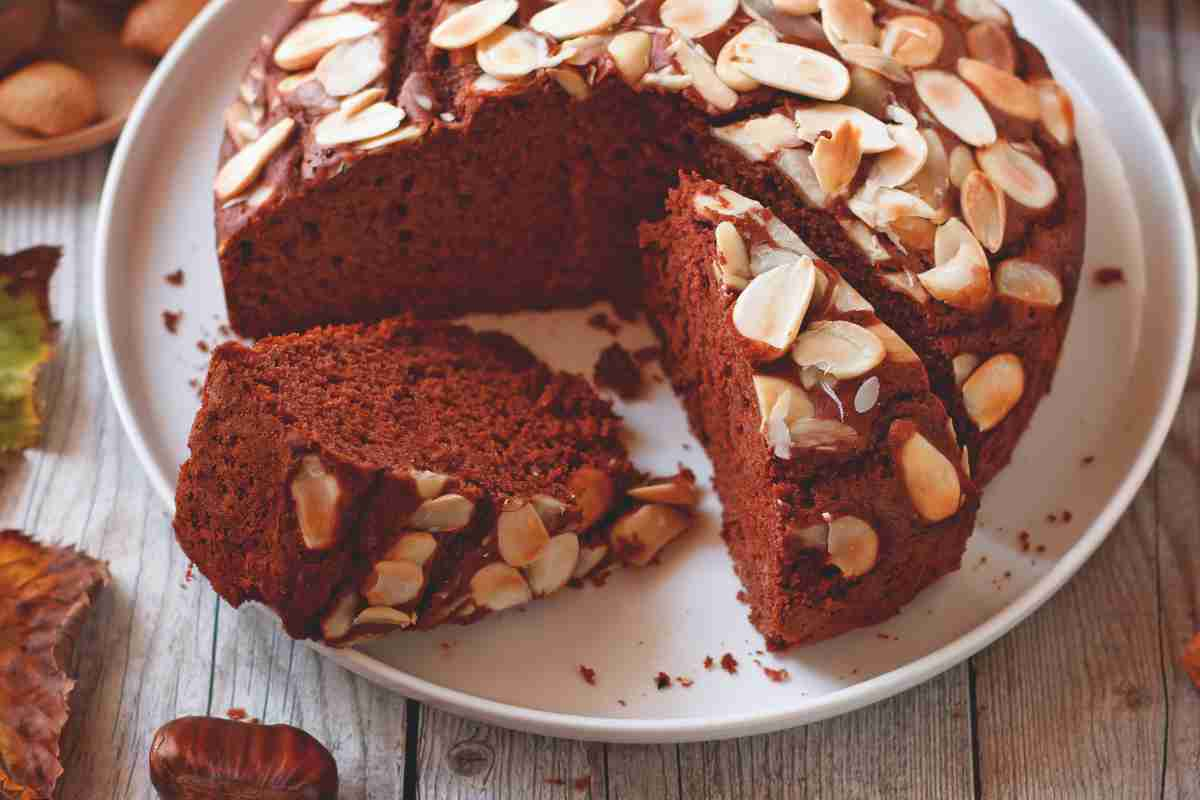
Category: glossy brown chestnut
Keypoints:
(206, 758)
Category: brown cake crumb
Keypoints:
(1024, 537)
(776, 675)
(202, 345)
(588, 674)
(622, 703)
(742, 597)
(708, 662)
(644, 355)
(729, 663)
(1088, 460)
(685, 682)
(1108, 276)
(662, 680)
(1052, 518)
(1041, 548)
(603, 322)
(171, 321)
(615, 369)
(1190, 660)
(224, 331)
(1066, 516)
(175, 278)
(237, 713)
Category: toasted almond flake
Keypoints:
(637, 537)
(704, 75)
(594, 494)
(853, 546)
(241, 171)
(630, 51)
(577, 17)
(351, 66)
(239, 126)
(766, 256)
(759, 138)
(930, 478)
(588, 48)
(406, 134)
(499, 586)
(450, 512)
(845, 298)
(906, 283)
(954, 105)
(835, 159)
(867, 395)
(839, 348)
(1020, 176)
(901, 164)
(796, 167)
(293, 82)
(825, 435)
(571, 82)
(850, 21)
(364, 99)
(962, 164)
(428, 484)
(992, 44)
(1002, 89)
(772, 307)
(1028, 283)
(521, 537)
(898, 351)
(316, 495)
(472, 24)
(901, 116)
(727, 71)
(869, 91)
(337, 621)
(393, 583)
(865, 239)
(914, 41)
(509, 53)
(818, 118)
(792, 68)
(962, 278)
(552, 571)
(306, 43)
(963, 364)
(551, 510)
(993, 390)
(375, 120)
(383, 615)
(872, 58)
(676, 492)
(983, 11)
(880, 207)
(984, 209)
(589, 559)
(415, 547)
(1057, 111)
(768, 389)
(810, 537)
(725, 203)
(733, 261)
(797, 8)
(933, 181)
(697, 18)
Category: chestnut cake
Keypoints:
(364, 479)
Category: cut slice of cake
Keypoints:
(844, 487)
(364, 479)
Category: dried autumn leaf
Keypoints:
(26, 342)
(44, 594)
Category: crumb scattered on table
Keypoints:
(684, 681)
(729, 663)
(237, 713)
(171, 321)
(588, 674)
(708, 662)
(776, 675)
(1109, 276)
(175, 278)
(1087, 460)
(1023, 536)
(662, 680)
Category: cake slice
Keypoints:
(364, 479)
(845, 490)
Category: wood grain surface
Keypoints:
(1084, 700)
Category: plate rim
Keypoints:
(700, 728)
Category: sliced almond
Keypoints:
(835, 159)
(472, 24)
(846, 299)
(933, 181)
(589, 48)
(842, 349)
(962, 278)
(903, 162)
(906, 283)
(316, 494)
(383, 615)
(676, 492)
(824, 435)
(241, 128)
(984, 209)
(768, 389)
(577, 17)
(1020, 176)
(913, 233)
(1057, 111)
(963, 364)
(415, 547)
(725, 203)
(667, 79)
(914, 41)
(594, 494)
(930, 478)
(992, 44)
(341, 128)
(853, 546)
(1028, 283)
(552, 571)
(819, 118)
(428, 484)
(571, 82)
(758, 138)
(704, 75)
(727, 71)
(796, 167)
(630, 51)
(983, 11)
(293, 82)
(552, 510)
(848, 21)
(589, 559)
(445, 514)
(865, 239)
(962, 164)
(521, 536)
(733, 261)
(509, 53)
(697, 18)
(499, 586)
(897, 349)
(867, 395)
(954, 105)
(797, 8)
(790, 407)
(872, 58)
(337, 621)
(1002, 89)
(393, 583)
(772, 307)
(241, 171)
(993, 390)
(408, 133)
(637, 537)
(869, 91)
(306, 43)
(792, 68)
(351, 66)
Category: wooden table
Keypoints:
(1084, 700)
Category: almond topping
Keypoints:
(727, 71)
(964, 364)
(797, 8)
(984, 209)
(1022, 178)
(510, 53)
(1028, 283)
(472, 24)
(520, 534)
(351, 66)
(306, 43)
(841, 349)
(393, 583)
(316, 494)
(759, 138)
(675, 492)
(589, 558)
(865, 239)
(769, 389)
(930, 478)
(725, 203)
(955, 106)
(853, 546)
(897, 349)
(630, 51)
(903, 162)
(697, 18)
(704, 75)
(733, 261)
(983, 11)
(818, 118)
(835, 159)
(962, 277)
(552, 571)
(792, 68)
(867, 395)
(551, 510)
(825, 435)
(992, 44)
(445, 514)
(1057, 111)
(336, 624)
(241, 171)
(342, 127)
(499, 586)
(577, 17)
(912, 40)
(1002, 89)
(962, 164)
(382, 615)
(993, 390)
(872, 58)
(848, 21)
(415, 547)
(638, 536)
(772, 307)
(428, 484)
(594, 494)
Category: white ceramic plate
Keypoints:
(1120, 381)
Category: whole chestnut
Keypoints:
(27, 25)
(194, 758)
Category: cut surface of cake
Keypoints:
(844, 487)
(364, 479)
